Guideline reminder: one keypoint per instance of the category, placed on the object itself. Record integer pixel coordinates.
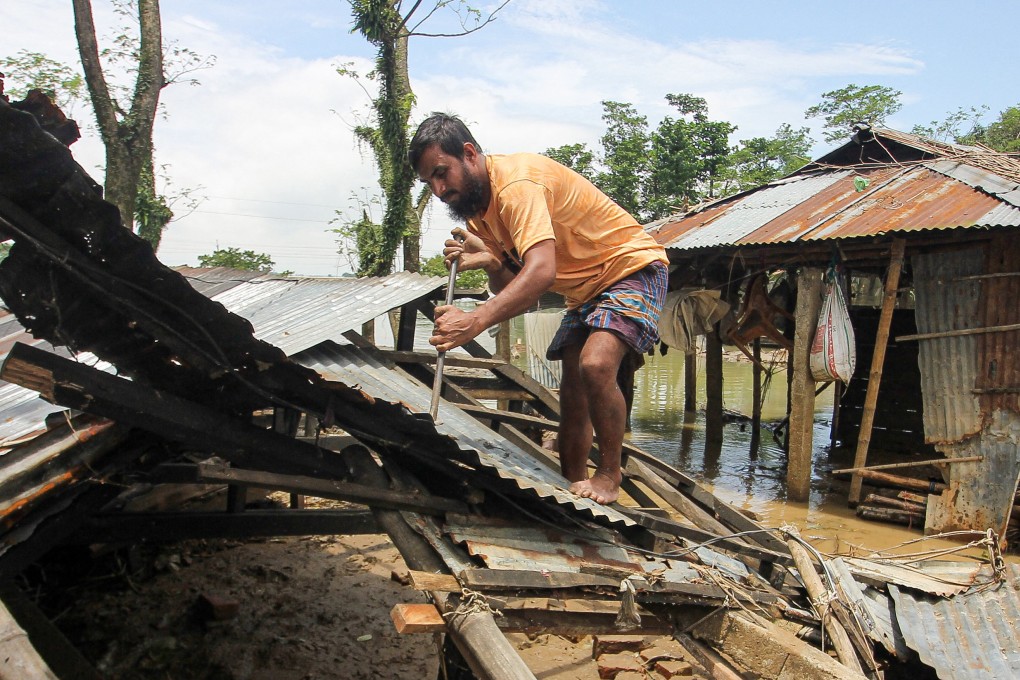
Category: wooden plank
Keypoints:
(177, 526)
(458, 360)
(427, 580)
(66, 661)
(417, 618)
(892, 283)
(18, 658)
(324, 488)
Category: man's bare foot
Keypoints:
(601, 488)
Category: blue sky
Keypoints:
(266, 138)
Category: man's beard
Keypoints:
(471, 201)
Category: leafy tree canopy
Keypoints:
(435, 266)
(32, 70)
(235, 258)
(1004, 133)
(760, 160)
(871, 104)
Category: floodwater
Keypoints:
(748, 479)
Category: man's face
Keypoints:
(457, 182)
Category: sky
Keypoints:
(265, 140)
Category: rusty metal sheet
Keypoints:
(973, 636)
(827, 205)
(531, 548)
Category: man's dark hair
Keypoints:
(449, 132)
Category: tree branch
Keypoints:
(88, 49)
(466, 31)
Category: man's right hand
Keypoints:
(470, 249)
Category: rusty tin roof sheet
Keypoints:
(968, 637)
(828, 204)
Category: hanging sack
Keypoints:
(833, 352)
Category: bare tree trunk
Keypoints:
(127, 137)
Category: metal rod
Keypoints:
(437, 383)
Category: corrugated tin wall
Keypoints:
(946, 301)
(998, 364)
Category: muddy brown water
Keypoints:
(751, 480)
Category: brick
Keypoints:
(215, 607)
(615, 644)
(673, 668)
(663, 649)
(612, 665)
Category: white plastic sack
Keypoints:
(833, 352)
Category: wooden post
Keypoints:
(802, 385)
(403, 337)
(755, 399)
(713, 387)
(892, 284)
(691, 382)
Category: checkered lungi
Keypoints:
(630, 308)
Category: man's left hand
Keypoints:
(454, 327)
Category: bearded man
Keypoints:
(534, 225)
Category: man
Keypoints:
(534, 225)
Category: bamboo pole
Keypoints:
(900, 482)
(817, 592)
(892, 284)
(915, 463)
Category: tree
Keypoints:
(235, 258)
(688, 155)
(959, 126)
(760, 160)
(871, 104)
(384, 24)
(624, 156)
(1004, 133)
(126, 116)
(577, 157)
(436, 266)
(34, 71)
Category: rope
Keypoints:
(471, 602)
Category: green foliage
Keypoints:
(959, 126)
(688, 154)
(435, 266)
(760, 160)
(624, 155)
(577, 157)
(871, 104)
(32, 70)
(235, 258)
(1004, 133)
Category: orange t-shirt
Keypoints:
(534, 198)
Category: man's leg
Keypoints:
(598, 364)
(575, 438)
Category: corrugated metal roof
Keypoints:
(828, 205)
(296, 314)
(482, 446)
(210, 281)
(291, 313)
(972, 636)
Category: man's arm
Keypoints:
(455, 327)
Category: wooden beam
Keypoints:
(178, 526)
(325, 488)
(892, 283)
(690, 382)
(68, 383)
(802, 386)
(417, 618)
